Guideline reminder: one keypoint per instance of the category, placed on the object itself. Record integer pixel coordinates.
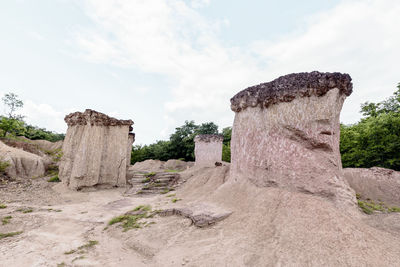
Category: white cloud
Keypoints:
(35, 35)
(172, 38)
(43, 114)
(357, 37)
(199, 3)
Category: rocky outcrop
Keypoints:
(22, 164)
(208, 149)
(201, 214)
(95, 150)
(286, 134)
(376, 183)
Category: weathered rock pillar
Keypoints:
(286, 134)
(208, 149)
(95, 150)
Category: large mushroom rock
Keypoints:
(286, 134)
(22, 163)
(208, 149)
(378, 184)
(95, 150)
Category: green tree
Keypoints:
(375, 140)
(12, 102)
(12, 122)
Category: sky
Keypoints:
(161, 62)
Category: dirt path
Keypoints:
(55, 221)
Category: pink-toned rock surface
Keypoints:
(375, 183)
(208, 149)
(286, 134)
(95, 150)
(22, 163)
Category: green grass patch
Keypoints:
(150, 174)
(146, 180)
(143, 208)
(55, 210)
(394, 209)
(166, 190)
(11, 234)
(3, 206)
(6, 220)
(132, 219)
(171, 195)
(54, 179)
(3, 166)
(25, 210)
(369, 206)
(171, 171)
(83, 248)
(174, 200)
(78, 258)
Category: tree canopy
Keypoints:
(375, 140)
(179, 146)
(13, 124)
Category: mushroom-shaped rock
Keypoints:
(208, 149)
(95, 150)
(286, 134)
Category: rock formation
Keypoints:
(95, 150)
(378, 184)
(208, 149)
(286, 134)
(22, 163)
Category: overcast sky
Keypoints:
(160, 63)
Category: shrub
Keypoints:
(54, 179)
(3, 166)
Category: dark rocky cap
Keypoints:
(94, 118)
(288, 87)
(209, 138)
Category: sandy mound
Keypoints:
(375, 183)
(22, 163)
(275, 227)
(47, 145)
(152, 165)
(253, 227)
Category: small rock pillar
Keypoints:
(95, 150)
(208, 149)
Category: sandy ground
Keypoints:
(62, 220)
(268, 227)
